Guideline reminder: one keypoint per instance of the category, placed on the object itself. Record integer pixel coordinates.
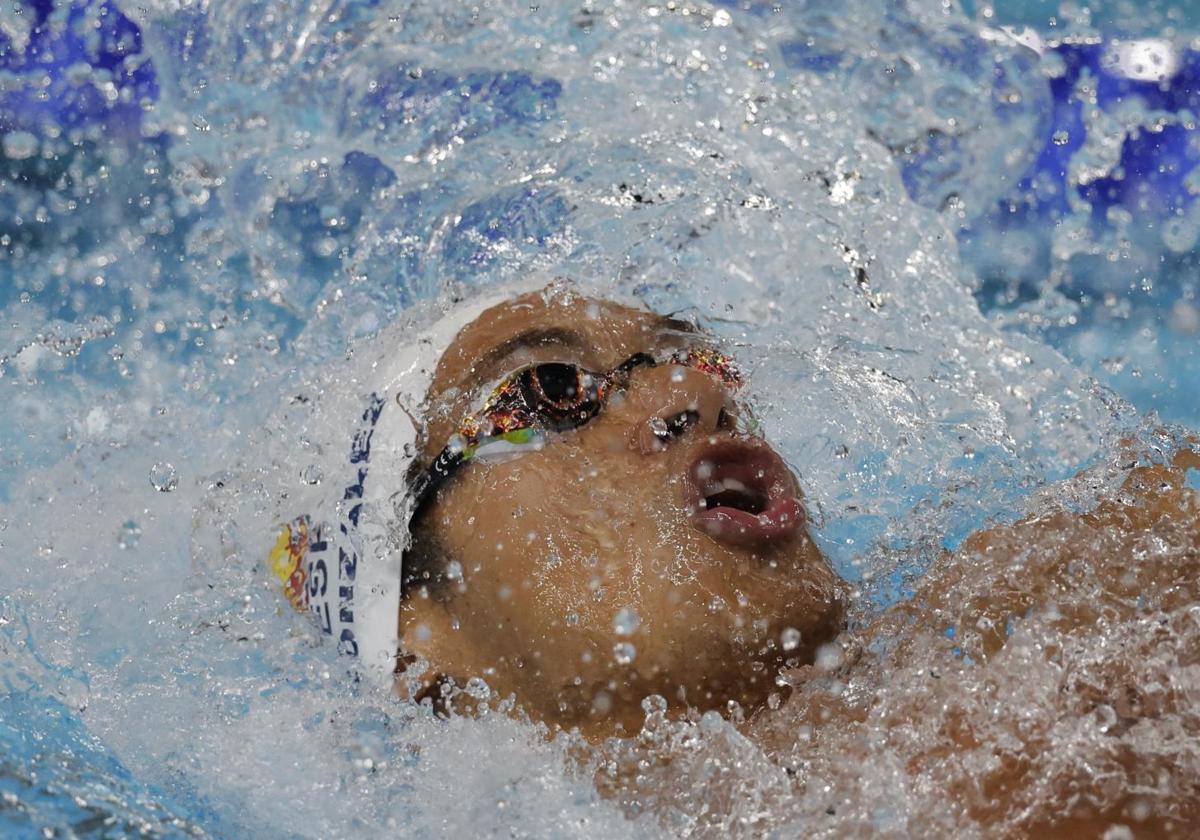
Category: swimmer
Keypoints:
(555, 495)
(642, 544)
(568, 504)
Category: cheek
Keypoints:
(547, 520)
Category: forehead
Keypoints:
(595, 333)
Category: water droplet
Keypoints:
(163, 477)
(1185, 318)
(19, 145)
(129, 534)
(626, 622)
(790, 638)
(659, 429)
(454, 570)
(624, 653)
(477, 688)
(654, 704)
(711, 722)
(1180, 234)
(828, 658)
(75, 692)
(312, 474)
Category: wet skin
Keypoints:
(611, 518)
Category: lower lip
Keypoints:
(780, 520)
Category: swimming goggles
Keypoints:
(551, 397)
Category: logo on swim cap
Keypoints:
(287, 561)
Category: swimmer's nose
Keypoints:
(672, 400)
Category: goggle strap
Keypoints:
(633, 361)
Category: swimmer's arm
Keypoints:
(1149, 495)
(1040, 588)
(1128, 553)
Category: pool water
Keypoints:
(954, 244)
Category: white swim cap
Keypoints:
(330, 471)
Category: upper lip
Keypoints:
(739, 491)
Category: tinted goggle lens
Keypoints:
(559, 384)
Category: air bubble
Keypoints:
(163, 477)
(790, 638)
(312, 474)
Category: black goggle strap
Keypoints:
(627, 366)
(435, 476)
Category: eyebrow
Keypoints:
(671, 324)
(534, 337)
(493, 359)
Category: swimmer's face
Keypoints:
(654, 549)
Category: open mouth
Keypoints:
(738, 491)
(731, 493)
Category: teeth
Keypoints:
(712, 488)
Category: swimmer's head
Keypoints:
(597, 526)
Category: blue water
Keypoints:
(976, 276)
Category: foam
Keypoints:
(647, 153)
